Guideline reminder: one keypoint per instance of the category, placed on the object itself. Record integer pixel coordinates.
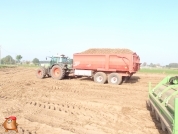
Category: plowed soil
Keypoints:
(107, 51)
(76, 106)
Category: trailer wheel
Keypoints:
(114, 78)
(57, 72)
(100, 77)
(40, 73)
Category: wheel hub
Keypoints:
(99, 78)
(39, 73)
(114, 79)
(56, 72)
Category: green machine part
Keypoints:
(163, 101)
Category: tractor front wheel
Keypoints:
(40, 73)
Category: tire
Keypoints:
(171, 80)
(57, 72)
(41, 72)
(114, 78)
(100, 77)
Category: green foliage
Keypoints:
(173, 65)
(36, 61)
(159, 71)
(152, 65)
(18, 58)
(7, 60)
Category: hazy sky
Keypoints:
(40, 28)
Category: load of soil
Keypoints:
(107, 51)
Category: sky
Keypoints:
(40, 28)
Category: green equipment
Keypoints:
(59, 67)
(163, 101)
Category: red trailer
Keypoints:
(106, 67)
(112, 65)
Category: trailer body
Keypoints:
(125, 64)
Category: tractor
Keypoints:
(59, 67)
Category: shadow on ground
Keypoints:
(133, 79)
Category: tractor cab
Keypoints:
(59, 59)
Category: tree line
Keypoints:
(170, 65)
(151, 64)
(10, 60)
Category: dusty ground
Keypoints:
(77, 106)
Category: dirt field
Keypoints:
(76, 106)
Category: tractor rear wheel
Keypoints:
(57, 72)
(114, 78)
(100, 77)
(40, 73)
